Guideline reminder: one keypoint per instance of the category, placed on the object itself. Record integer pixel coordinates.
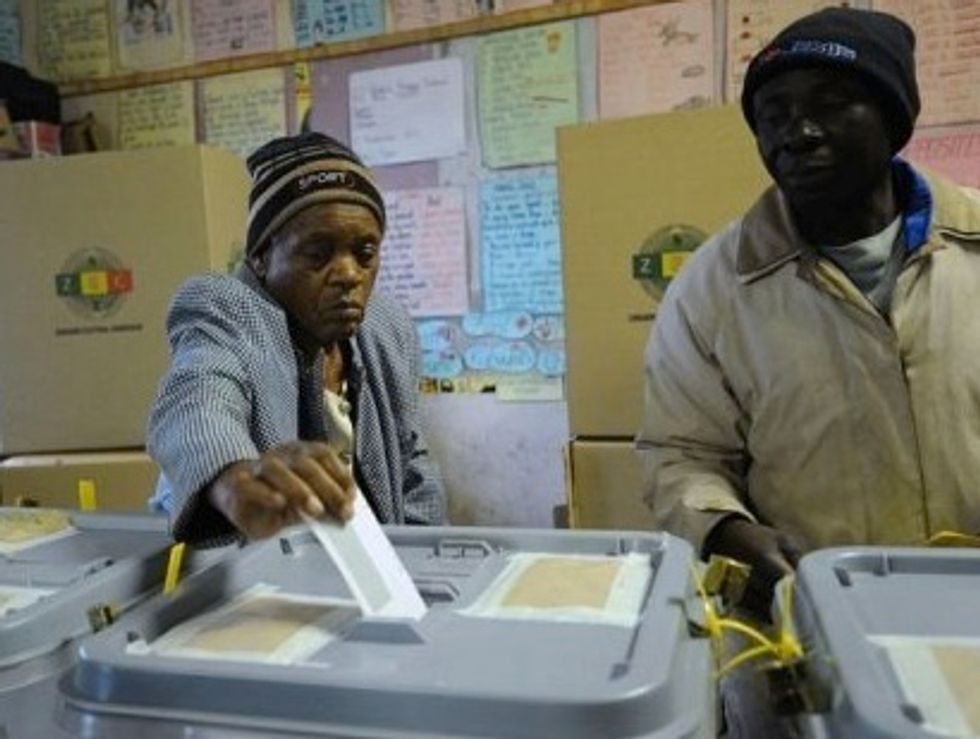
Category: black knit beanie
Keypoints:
(877, 46)
(294, 172)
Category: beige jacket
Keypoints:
(776, 390)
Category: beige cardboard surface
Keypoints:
(620, 182)
(261, 625)
(605, 486)
(122, 480)
(961, 669)
(17, 526)
(94, 247)
(562, 583)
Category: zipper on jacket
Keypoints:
(923, 502)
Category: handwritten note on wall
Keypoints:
(528, 85)
(408, 14)
(73, 39)
(947, 56)
(423, 259)
(319, 21)
(408, 113)
(149, 35)
(243, 111)
(161, 115)
(521, 259)
(751, 25)
(656, 59)
(954, 153)
(224, 28)
(9, 32)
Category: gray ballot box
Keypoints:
(528, 634)
(892, 637)
(64, 574)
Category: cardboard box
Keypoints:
(122, 481)
(93, 248)
(604, 486)
(621, 182)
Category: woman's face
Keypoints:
(320, 266)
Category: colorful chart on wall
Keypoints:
(322, 21)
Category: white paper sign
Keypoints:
(408, 113)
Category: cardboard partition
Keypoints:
(604, 486)
(113, 481)
(93, 248)
(629, 189)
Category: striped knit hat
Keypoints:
(293, 172)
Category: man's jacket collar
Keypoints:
(768, 238)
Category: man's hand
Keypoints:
(262, 496)
(771, 554)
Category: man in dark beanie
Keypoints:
(813, 377)
(292, 383)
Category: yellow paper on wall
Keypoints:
(73, 39)
(159, 115)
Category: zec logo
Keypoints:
(94, 283)
(662, 255)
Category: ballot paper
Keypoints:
(369, 564)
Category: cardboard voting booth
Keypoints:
(94, 247)
(636, 195)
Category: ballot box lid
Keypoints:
(893, 641)
(466, 668)
(64, 574)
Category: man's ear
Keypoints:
(259, 263)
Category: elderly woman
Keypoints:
(291, 381)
